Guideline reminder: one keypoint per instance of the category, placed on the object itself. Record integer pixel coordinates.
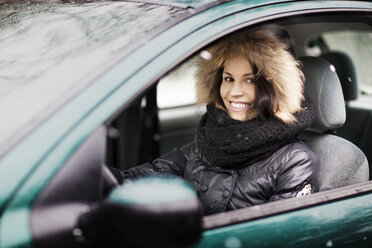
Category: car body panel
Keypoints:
(318, 226)
(59, 137)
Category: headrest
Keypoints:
(323, 87)
(346, 72)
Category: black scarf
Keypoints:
(230, 143)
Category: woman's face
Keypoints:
(237, 88)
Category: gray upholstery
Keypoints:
(326, 92)
(341, 162)
(358, 120)
(346, 72)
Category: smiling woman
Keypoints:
(238, 89)
(247, 140)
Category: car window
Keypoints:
(358, 46)
(177, 88)
(50, 48)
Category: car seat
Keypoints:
(358, 120)
(346, 72)
(341, 162)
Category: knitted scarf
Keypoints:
(230, 143)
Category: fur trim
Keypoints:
(272, 60)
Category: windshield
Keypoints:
(49, 48)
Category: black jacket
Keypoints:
(288, 172)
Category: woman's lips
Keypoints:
(238, 106)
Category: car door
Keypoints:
(325, 219)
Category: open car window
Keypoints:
(177, 115)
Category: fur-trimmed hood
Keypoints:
(269, 55)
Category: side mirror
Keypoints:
(147, 212)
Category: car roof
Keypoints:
(201, 4)
(180, 3)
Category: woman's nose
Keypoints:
(236, 90)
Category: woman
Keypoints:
(247, 149)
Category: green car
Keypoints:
(90, 85)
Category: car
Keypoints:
(90, 85)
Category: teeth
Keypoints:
(238, 105)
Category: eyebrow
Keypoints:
(245, 75)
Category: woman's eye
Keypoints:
(229, 79)
(250, 80)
